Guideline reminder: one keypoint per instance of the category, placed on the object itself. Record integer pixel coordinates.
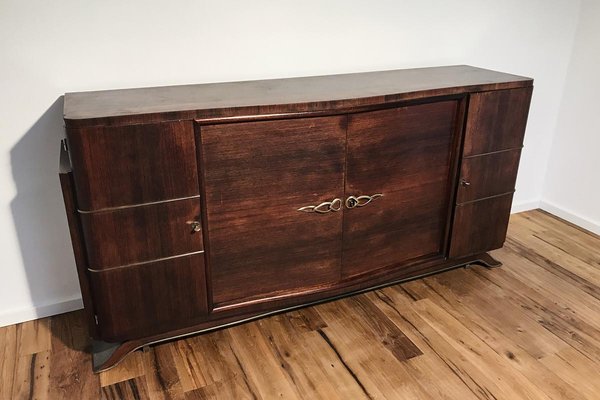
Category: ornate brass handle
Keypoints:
(324, 207)
(361, 201)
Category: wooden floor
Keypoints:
(528, 330)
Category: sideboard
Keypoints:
(195, 207)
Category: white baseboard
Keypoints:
(11, 317)
(525, 206)
(585, 223)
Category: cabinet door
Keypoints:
(257, 175)
(404, 155)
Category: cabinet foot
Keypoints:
(102, 352)
(487, 261)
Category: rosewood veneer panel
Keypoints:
(143, 233)
(480, 226)
(118, 166)
(257, 176)
(404, 154)
(489, 175)
(147, 299)
(276, 96)
(496, 120)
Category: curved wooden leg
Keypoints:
(487, 261)
(106, 355)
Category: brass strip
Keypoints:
(136, 205)
(485, 198)
(145, 262)
(492, 152)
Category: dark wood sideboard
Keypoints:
(196, 207)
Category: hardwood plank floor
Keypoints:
(527, 330)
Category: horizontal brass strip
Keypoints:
(492, 152)
(135, 205)
(145, 262)
(485, 198)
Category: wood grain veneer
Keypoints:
(404, 154)
(280, 96)
(258, 174)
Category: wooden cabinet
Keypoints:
(193, 207)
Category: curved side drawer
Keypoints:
(141, 234)
(144, 300)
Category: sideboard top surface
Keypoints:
(279, 96)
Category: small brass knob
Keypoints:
(196, 226)
(465, 183)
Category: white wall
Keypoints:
(48, 48)
(572, 185)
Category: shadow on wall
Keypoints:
(39, 217)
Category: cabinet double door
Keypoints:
(307, 203)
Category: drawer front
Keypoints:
(496, 120)
(488, 175)
(144, 300)
(257, 177)
(125, 165)
(404, 154)
(480, 226)
(139, 234)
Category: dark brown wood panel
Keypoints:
(496, 120)
(257, 176)
(277, 96)
(489, 175)
(480, 226)
(143, 233)
(68, 192)
(404, 154)
(151, 298)
(117, 166)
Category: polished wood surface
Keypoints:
(463, 334)
(404, 154)
(496, 120)
(127, 165)
(480, 225)
(488, 175)
(147, 299)
(257, 176)
(277, 96)
(143, 233)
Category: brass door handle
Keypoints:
(361, 201)
(324, 207)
